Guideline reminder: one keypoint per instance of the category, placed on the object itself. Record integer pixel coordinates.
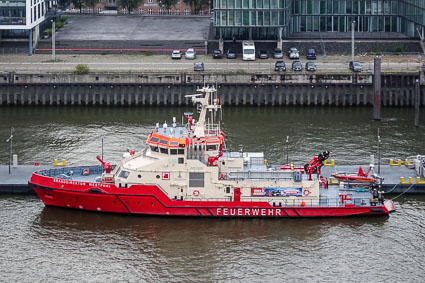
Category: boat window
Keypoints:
(196, 180)
(124, 174)
(211, 147)
(153, 139)
(181, 151)
(173, 151)
(154, 148)
(163, 142)
(174, 143)
(181, 160)
(164, 150)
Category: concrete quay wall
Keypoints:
(303, 89)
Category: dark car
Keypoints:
(217, 54)
(310, 66)
(297, 66)
(280, 66)
(355, 66)
(198, 66)
(278, 53)
(263, 54)
(311, 54)
(230, 54)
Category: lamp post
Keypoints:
(53, 40)
(379, 153)
(352, 40)
(10, 141)
(287, 149)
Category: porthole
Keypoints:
(157, 176)
(139, 176)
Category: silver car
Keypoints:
(190, 54)
(177, 54)
(198, 66)
(293, 53)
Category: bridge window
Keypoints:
(153, 139)
(174, 143)
(211, 147)
(163, 142)
(196, 180)
(124, 174)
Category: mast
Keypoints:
(208, 103)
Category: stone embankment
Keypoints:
(237, 87)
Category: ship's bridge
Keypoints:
(181, 137)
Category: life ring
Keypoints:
(222, 176)
(196, 193)
(306, 193)
(86, 172)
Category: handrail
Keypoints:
(316, 202)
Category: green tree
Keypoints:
(78, 4)
(167, 4)
(91, 3)
(129, 5)
(197, 5)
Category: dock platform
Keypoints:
(17, 181)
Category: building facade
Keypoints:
(21, 14)
(148, 7)
(274, 19)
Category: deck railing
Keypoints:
(320, 202)
(68, 172)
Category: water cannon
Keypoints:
(106, 165)
(188, 115)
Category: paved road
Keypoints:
(136, 63)
(134, 27)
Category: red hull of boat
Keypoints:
(151, 200)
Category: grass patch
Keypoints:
(81, 69)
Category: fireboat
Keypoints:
(185, 169)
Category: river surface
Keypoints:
(51, 244)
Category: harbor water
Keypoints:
(52, 244)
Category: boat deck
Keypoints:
(17, 180)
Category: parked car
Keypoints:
(297, 66)
(311, 54)
(280, 66)
(176, 54)
(198, 66)
(278, 54)
(190, 54)
(293, 53)
(355, 66)
(263, 54)
(230, 54)
(217, 54)
(310, 66)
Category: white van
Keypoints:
(248, 50)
